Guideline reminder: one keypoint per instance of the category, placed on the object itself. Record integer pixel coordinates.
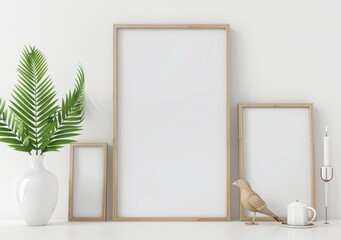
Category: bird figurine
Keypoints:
(252, 202)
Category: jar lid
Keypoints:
(297, 204)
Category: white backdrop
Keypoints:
(281, 51)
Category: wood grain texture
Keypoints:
(171, 26)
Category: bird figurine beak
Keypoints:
(235, 183)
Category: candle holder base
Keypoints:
(326, 174)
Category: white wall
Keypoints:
(281, 51)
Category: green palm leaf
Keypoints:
(34, 121)
(38, 102)
(12, 130)
(67, 120)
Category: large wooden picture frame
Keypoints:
(88, 182)
(276, 154)
(171, 123)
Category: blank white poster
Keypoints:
(88, 182)
(277, 155)
(172, 125)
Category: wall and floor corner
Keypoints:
(281, 51)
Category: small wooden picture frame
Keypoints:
(276, 155)
(88, 182)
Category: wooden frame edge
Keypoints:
(116, 27)
(172, 219)
(228, 125)
(309, 106)
(115, 127)
(171, 26)
(72, 218)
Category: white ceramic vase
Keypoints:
(37, 193)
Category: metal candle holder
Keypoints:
(326, 174)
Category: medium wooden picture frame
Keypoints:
(276, 154)
(171, 122)
(88, 181)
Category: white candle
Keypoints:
(326, 157)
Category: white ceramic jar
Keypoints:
(298, 214)
(37, 193)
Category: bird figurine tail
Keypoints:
(278, 219)
(268, 212)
